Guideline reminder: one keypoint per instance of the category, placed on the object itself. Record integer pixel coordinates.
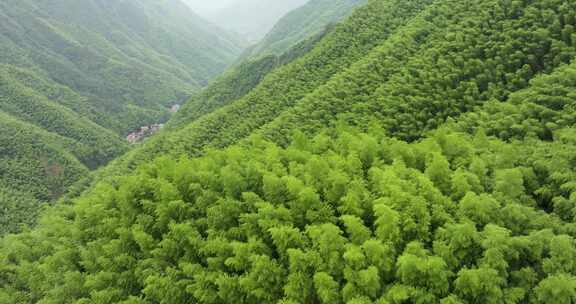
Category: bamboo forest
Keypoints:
(359, 152)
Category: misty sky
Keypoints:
(250, 18)
(208, 7)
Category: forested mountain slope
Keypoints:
(375, 83)
(131, 59)
(277, 91)
(35, 162)
(76, 76)
(46, 146)
(450, 59)
(301, 23)
(239, 81)
(433, 163)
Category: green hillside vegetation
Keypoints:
(448, 60)
(24, 98)
(35, 165)
(19, 209)
(131, 59)
(277, 91)
(47, 147)
(239, 81)
(357, 218)
(421, 152)
(312, 17)
(76, 77)
(373, 88)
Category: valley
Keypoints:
(352, 151)
(79, 82)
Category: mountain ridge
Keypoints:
(300, 23)
(79, 76)
(417, 153)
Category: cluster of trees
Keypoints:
(35, 165)
(539, 111)
(452, 57)
(31, 99)
(349, 42)
(239, 81)
(130, 59)
(76, 77)
(353, 218)
(19, 208)
(407, 64)
(412, 156)
(234, 119)
(310, 18)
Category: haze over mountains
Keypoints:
(252, 19)
(364, 152)
(207, 8)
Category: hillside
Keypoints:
(131, 59)
(301, 23)
(419, 152)
(237, 117)
(239, 81)
(76, 77)
(48, 143)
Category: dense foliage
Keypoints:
(131, 59)
(277, 91)
(239, 81)
(383, 63)
(355, 218)
(56, 109)
(301, 23)
(76, 76)
(451, 58)
(36, 163)
(421, 152)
